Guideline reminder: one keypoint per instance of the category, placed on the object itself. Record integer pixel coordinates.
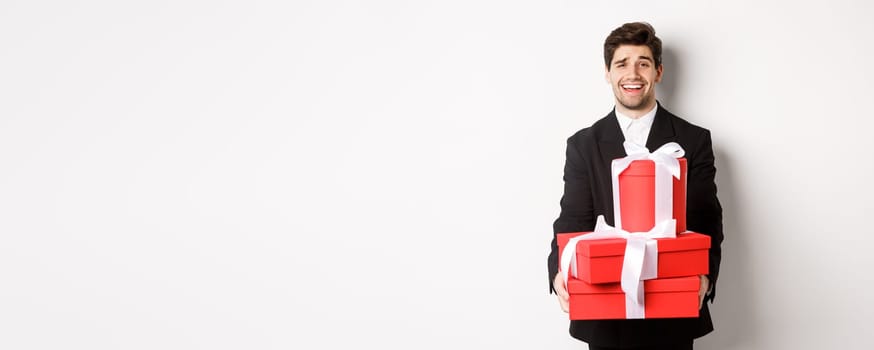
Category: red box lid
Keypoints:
(643, 167)
(680, 284)
(616, 246)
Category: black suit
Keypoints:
(588, 193)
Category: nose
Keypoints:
(635, 72)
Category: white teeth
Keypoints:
(632, 86)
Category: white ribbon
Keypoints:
(640, 262)
(666, 167)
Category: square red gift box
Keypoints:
(663, 298)
(600, 260)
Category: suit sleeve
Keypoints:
(576, 202)
(704, 213)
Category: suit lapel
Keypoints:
(662, 130)
(610, 139)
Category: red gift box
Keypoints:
(600, 260)
(637, 196)
(663, 298)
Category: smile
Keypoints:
(632, 89)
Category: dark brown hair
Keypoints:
(635, 33)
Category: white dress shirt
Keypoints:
(637, 130)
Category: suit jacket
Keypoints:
(588, 193)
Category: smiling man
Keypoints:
(632, 57)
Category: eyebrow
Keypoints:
(647, 58)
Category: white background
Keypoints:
(384, 174)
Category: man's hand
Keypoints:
(702, 291)
(561, 291)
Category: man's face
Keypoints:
(633, 75)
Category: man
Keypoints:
(632, 55)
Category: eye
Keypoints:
(645, 64)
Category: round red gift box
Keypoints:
(637, 196)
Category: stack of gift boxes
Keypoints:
(648, 265)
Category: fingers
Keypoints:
(561, 292)
(702, 290)
(563, 302)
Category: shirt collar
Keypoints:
(646, 119)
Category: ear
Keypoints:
(659, 72)
(607, 74)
